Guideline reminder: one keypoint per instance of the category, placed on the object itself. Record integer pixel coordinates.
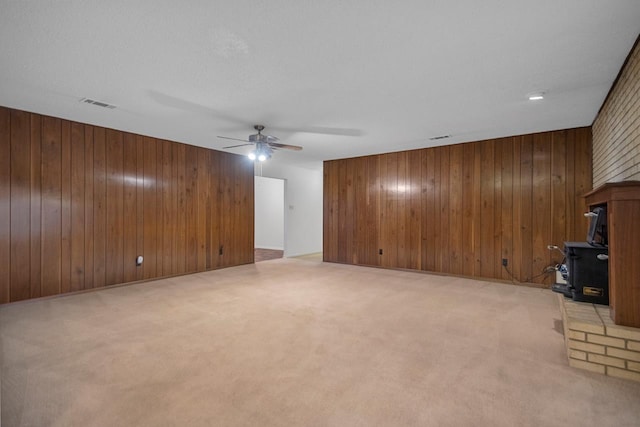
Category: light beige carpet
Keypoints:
(298, 343)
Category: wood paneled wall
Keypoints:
(79, 203)
(461, 209)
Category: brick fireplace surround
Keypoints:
(595, 343)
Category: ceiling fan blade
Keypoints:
(321, 130)
(285, 146)
(192, 107)
(240, 145)
(233, 139)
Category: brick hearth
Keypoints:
(595, 343)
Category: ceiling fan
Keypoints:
(264, 144)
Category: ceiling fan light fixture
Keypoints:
(263, 145)
(261, 153)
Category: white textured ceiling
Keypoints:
(388, 75)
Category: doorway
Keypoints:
(269, 218)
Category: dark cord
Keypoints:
(546, 271)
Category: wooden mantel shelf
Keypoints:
(625, 190)
(622, 200)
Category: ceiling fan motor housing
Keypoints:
(263, 147)
(258, 137)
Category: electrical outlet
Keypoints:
(221, 250)
(505, 262)
(380, 252)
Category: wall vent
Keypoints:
(98, 103)
(435, 138)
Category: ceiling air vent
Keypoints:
(98, 103)
(435, 138)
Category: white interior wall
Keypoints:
(303, 206)
(269, 213)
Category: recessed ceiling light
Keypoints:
(536, 96)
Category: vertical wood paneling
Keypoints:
(343, 211)
(516, 250)
(177, 261)
(360, 221)
(77, 207)
(181, 200)
(160, 189)
(230, 237)
(170, 263)
(88, 208)
(239, 205)
(415, 207)
(327, 175)
(80, 202)
(444, 231)
(168, 221)
(373, 210)
(541, 219)
(526, 205)
(506, 223)
(476, 193)
(468, 214)
(35, 256)
(244, 235)
(487, 194)
(115, 207)
(403, 224)
(5, 205)
(65, 268)
(235, 237)
(246, 251)
(570, 196)
(203, 185)
(139, 228)
(51, 205)
(190, 208)
(583, 177)
(428, 209)
(349, 209)
(471, 204)
(150, 209)
(240, 236)
(455, 231)
(437, 234)
(216, 209)
(99, 207)
(226, 227)
(235, 195)
(214, 222)
(389, 210)
(20, 204)
(497, 209)
(558, 193)
(130, 214)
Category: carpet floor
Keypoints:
(291, 342)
